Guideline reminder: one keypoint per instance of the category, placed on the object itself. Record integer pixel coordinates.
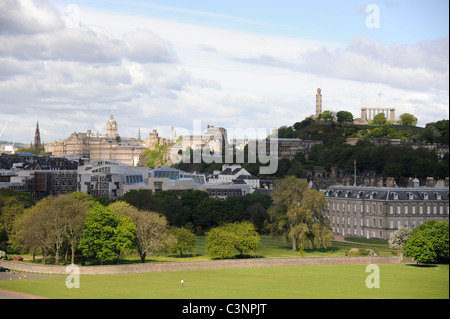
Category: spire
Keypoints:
(37, 136)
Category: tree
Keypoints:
(300, 214)
(151, 229)
(107, 234)
(420, 249)
(399, 238)
(224, 241)
(429, 242)
(379, 119)
(344, 117)
(185, 240)
(76, 206)
(408, 119)
(327, 116)
(33, 230)
(257, 215)
(141, 199)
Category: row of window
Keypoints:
(373, 223)
(378, 208)
(371, 195)
(133, 179)
(373, 233)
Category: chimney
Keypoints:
(390, 182)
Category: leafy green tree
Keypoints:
(300, 214)
(208, 213)
(420, 249)
(172, 207)
(344, 117)
(141, 199)
(192, 197)
(327, 116)
(408, 119)
(185, 240)
(379, 119)
(151, 229)
(429, 242)
(257, 214)
(224, 241)
(33, 230)
(107, 234)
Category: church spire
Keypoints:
(37, 136)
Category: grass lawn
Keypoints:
(269, 248)
(299, 282)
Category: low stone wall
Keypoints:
(201, 265)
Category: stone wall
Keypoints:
(201, 265)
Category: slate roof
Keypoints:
(385, 194)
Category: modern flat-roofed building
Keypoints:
(377, 212)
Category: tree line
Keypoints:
(201, 212)
(78, 226)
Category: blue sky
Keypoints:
(406, 22)
(236, 64)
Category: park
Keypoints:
(397, 281)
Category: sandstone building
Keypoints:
(95, 147)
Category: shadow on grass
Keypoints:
(422, 265)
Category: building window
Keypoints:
(406, 210)
(398, 210)
(391, 210)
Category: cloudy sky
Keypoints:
(236, 64)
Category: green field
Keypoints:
(299, 282)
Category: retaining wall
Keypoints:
(201, 265)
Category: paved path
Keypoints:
(6, 294)
(342, 239)
(14, 275)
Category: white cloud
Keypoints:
(28, 17)
(154, 74)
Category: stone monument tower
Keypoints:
(37, 136)
(318, 102)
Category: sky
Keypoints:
(247, 64)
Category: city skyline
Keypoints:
(158, 64)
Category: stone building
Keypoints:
(377, 212)
(95, 147)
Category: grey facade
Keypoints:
(377, 212)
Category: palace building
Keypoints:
(377, 212)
